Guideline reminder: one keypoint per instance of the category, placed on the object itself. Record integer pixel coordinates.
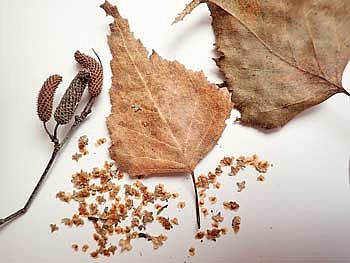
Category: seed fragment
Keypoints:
(260, 178)
(192, 251)
(236, 224)
(217, 218)
(218, 171)
(94, 254)
(164, 222)
(82, 143)
(85, 247)
(234, 170)
(204, 211)
(212, 199)
(158, 241)
(125, 244)
(64, 197)
(199, 235)
(76, 157)
(213, 233)
(231, 205)
(174, 221)
(202, 182)
(240, 186)
(75, 247)
(181, 205)
(227, 161)
(100, 141)
(53, 227)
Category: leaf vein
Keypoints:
(147, 89)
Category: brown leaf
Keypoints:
(280, 57)
(164, 117)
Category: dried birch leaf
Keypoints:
(164, 117)
(280, 57)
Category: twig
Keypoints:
(197, 204)
(47, 131)
(35, 191)
(55, 131)
(57, 147)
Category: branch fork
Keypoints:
(90, 76)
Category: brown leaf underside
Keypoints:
(280, 57)
(164, 117)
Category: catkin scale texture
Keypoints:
(96, 72)
(71, 98)
(45, 98)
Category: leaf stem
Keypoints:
(346, 92)
(197, 203)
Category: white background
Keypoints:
(300, 214)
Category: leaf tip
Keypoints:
(110, 9)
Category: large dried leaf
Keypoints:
(280, 57)
(164, 118)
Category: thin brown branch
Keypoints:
(55, 131)
(47, 131)
(35, 191)
(58, 146)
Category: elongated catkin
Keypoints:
(95, 68)
(45, 98)
(71, 98)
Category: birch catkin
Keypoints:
(96, 71)
(45, 98)
(70, 100)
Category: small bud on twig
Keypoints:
(96, 71)
(71, 98)
(45, 98)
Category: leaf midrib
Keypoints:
(178, 146)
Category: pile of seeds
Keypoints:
(232, 166)
(116, 208)
(115, 205)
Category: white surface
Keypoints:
(301, 213)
